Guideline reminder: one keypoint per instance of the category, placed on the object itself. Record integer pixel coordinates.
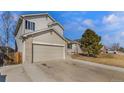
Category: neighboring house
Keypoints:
(4, 58)
(3, 49)
(73, 47)
(109, 51)
(39, 37)
(104, 49)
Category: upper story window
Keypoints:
(29, 25)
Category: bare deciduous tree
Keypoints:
(1, 43)
(7, 27)
(115, 46)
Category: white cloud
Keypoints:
(113, 28)
(113, 22)
(117, 37)
(110, 19)
(122, 33)
(88, 22)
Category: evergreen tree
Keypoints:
(90, 43)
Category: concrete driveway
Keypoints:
(13, 73)
(79, 71)
(65, 71)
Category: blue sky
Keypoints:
(109, 25)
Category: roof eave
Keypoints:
(44, 30)
(18, 25)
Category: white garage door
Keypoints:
(47, 52)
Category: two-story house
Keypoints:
(39, 37)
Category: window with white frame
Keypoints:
(29, 25)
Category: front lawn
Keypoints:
(108, 59)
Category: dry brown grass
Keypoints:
(108, 59)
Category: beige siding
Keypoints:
(40, 23)
(45, 46)
(45, 52)
(18, 39)
(49, 37)
(27, 51)
(58, 29)
(75, 49)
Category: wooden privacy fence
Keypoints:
(18, 57)
(14, 58)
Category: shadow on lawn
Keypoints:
(86, 55)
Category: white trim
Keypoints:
(42, 43)
(36, 31)
(42, 31)
(23, 59)
(64, 52)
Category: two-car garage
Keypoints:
(42, 52)
(43, 46)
